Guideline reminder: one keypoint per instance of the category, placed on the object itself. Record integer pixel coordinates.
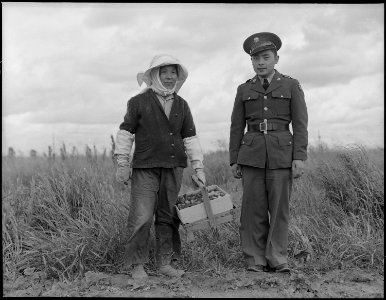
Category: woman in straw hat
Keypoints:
(160, 123)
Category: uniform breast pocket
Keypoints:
(282, 102)
(253, 105)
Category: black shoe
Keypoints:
(283, 268)
(267, 268)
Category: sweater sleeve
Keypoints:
(188, 126)
(130, 120)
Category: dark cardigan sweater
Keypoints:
(158, 140)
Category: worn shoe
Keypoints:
(282, 268)
(257, 268)
(168, 270)
(139, 272)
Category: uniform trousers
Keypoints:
(154, 192)
(265, 215)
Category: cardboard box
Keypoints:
(222, 203)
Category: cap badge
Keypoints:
(256, 39)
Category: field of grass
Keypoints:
(67, 215)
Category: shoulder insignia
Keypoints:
(298, 83)
(252, 80)
(286, 76)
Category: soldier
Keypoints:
(268, 155)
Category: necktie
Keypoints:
(266, 83)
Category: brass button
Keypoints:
(172, 156)
(265, 97)
(171, 133)
(265, 108)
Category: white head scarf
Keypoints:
(156, 84)
(151, 75)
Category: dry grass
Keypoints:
(67, 216)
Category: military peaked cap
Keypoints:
(261, 41)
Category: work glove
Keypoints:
(124, 170)
(201, 175)
(124, 142)
(123, 147)
(123, 174)
(193, 150)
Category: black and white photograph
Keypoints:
(196, 150)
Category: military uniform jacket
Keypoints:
(282, 103)
(158, 140)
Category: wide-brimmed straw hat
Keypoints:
(163, 60)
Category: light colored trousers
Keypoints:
(265, 215)
(154, 192)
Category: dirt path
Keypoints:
(337, 283)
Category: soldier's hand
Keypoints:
(236, 171)
(123, 174)
(297, 168)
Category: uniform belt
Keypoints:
(264, 126)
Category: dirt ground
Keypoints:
(301, 283)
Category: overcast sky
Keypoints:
(68, 69)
